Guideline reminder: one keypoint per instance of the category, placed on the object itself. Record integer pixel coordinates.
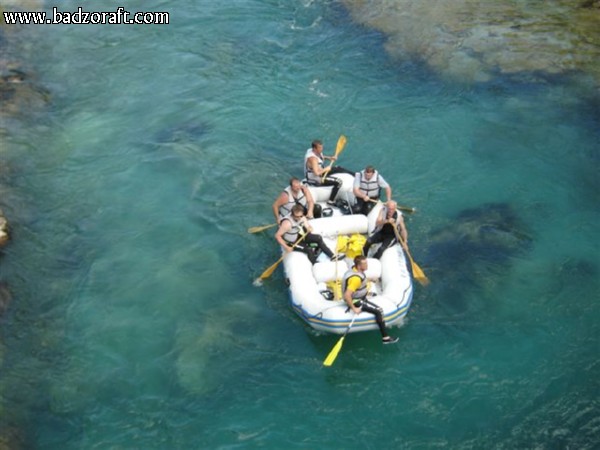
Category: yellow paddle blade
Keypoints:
(418, 274)
(269, 271)
(340, 145)
(334, 352)
(261, 228)
(338, 149)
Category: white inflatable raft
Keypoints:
(310, 285)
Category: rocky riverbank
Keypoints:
(21, 97)
(475, 41)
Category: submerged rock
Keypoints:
(19, 94)
(472, 254)
(491, 232)
(184, 132)
(475, 40)
(211, 352)
(11, 438)
(204, 353)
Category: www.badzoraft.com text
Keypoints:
(120, 16)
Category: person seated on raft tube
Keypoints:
(367, 190)
(314, 170)
(355, 288)
(295, 194)
(293, 227)
(389, 217)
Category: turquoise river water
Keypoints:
(134, 322)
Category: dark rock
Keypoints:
(185, 132)
(11, 438)
(467, 260)
(490, 233)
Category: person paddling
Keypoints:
(293, 227)
(295, 194)
(314, 170)
(355, 287)
(368, 184)
(389, 217)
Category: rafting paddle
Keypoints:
(261, 228)
(418, 274)
(338, 149)
(406, 209)
(338, 346)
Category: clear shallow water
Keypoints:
(134, 322)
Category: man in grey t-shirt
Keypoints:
(368, 184)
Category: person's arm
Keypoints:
(306, 225)
(279, 201)
(309, 202)
(356, 188)
(313, 164)
(284, 227)
(386, 187)
(388, 193)
(402, 228)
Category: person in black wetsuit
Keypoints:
(355, 288)
(389, 217)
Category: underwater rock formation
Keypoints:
(185, 132)
(11, 438)
(472, 254)
(18, 93)
(474, 40)
(214, 350)
(489, 233)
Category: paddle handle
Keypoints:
(406, 209)
(261, 228)
(418, 273)
(338, 149)
(351, 323)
